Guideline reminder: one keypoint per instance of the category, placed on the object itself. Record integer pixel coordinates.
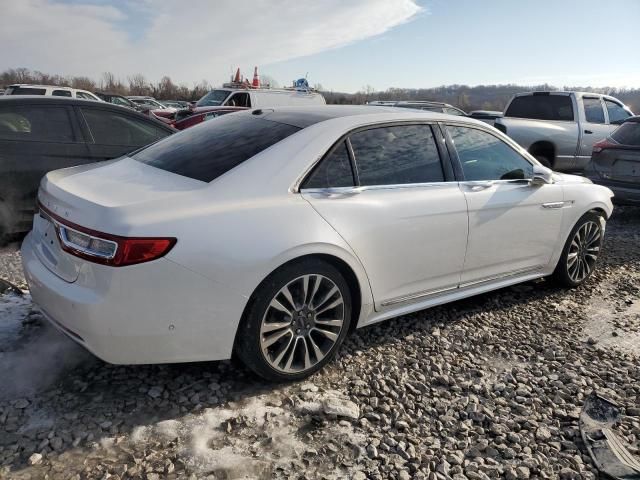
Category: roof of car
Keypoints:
(40, 86)
(305, 116)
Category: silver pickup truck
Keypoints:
(560, 128)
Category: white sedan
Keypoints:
(273, 233)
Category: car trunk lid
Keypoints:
(99, 197)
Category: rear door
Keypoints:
(389, 191)
(34, 139)
(111, 134)
(594, 127)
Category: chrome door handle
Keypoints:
(479, 186)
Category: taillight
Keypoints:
(602, 145)
(104, 248)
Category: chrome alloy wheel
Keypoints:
(584, 251)
(302, 323)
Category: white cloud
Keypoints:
(189, 41)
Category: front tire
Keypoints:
(581, 251)
(295, 322)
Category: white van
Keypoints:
(51, 90)
(260, 97)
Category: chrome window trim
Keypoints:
(364, 188)
(296, 187)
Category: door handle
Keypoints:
(588, 132)
(479, 186)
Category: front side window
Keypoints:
(111, 128)
(333, 171)
(541, 107)
(36, 123)
(394, 155)
(485, 157)
(214, 98)
(208, 150)
(616, 112)
(593, 111)
(61, 93)
(239, 100)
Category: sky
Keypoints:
(344, 45)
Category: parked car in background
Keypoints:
(39, 134)
(151, 105)
(421, 105)
(486, 116)
(117, 100)
(208, 114)
(615, 162)
(1, 91)
(560, 128)
(179, 104)
(50, 90)
(272, 233)
(242, 98)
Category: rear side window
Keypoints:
(395, 155)
(111, 128)
(208, 150)
(85, 96)
(36, 123)
(25, 91)
(593, 111)
(541, 107)
(333, 171)
(627, 134)
(61, 93)
(616, 112)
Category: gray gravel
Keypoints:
(488, 387)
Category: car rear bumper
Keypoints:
(624, 194)
(156, 312)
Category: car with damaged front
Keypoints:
(271, 234)
(615, 162)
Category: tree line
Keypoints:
(481, 97)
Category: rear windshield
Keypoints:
(25, 91)
(541, 107)
(627, 134)
(206, 151)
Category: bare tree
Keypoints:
(138, 85)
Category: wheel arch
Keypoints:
(543, 148)
(346, 263)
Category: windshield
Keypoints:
(213, 99)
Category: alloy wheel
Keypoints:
(584, 251)
(302, 323)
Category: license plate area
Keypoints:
(49, 250)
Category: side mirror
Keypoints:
(541, 175)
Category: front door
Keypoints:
(513, 225)
(594, 128)
(389, 198)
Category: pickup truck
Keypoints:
(560, 128)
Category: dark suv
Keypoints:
(39, 134)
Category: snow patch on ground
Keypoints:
(33, 354)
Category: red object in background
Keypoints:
(200, 114)
(256, 78)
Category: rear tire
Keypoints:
(581, 251)
(295, 321)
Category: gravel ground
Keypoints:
(487, 387)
